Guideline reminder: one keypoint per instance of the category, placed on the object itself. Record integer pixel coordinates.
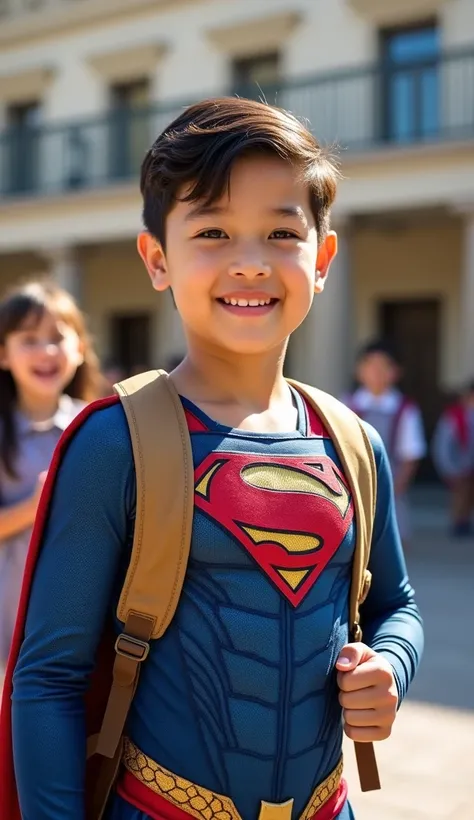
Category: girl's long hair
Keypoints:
(30, 302)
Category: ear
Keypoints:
(326, 253)
(154, 260)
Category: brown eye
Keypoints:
(282, 234)
(213, 233)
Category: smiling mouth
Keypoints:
(247, 303)
(50, 373)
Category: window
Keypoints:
(130, 95)
(22, 120)
(130, 340)
(254, 76)
(410, 72)
(129, 135)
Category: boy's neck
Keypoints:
(249, 382)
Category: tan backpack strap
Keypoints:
(164, 511)
(356, 455)
(165, 498)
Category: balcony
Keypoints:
(367, 109)
(22, 20)
(12, 9)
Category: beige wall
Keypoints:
(114, 280)
(17, 267)
(409, 262)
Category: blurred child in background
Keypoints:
(397, 419)
(48, 371)
(453, 454)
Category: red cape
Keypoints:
(100, 682)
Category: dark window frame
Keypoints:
(241, 80)
(388, 70)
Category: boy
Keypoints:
(396, 418)
(453, 453)
(243, 696)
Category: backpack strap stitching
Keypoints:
(187, 482)
(138, 536)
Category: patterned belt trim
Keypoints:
(204, 804)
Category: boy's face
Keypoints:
(243, 272)
(377, 372)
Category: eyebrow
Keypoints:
(293, 211)
(290, 211)
(204, 210)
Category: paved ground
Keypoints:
(427, 766)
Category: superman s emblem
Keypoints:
(290, 514)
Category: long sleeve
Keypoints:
(84, 553)
(390, 618)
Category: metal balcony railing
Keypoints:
(360, 110)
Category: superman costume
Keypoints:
(240, 695)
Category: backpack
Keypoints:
(164, 470)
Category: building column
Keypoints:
(170, 342)
(64, 268)
(322, 351)
(467, 301)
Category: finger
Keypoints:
(353, 654)
(374, 697)
(368, 717)
(367, 734)
(363, 676)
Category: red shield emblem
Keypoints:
(290, 514)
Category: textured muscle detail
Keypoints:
(202, 803)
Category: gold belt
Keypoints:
(206, 805)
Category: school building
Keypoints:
(86, 85)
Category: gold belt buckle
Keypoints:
(276, 811)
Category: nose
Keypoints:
(250, 263)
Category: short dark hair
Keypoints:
(199, 148)
(383, 346)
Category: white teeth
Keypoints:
(246, 302)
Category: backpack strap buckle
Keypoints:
(132, 648)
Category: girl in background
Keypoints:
(48, 371)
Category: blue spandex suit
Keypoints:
(240, 695)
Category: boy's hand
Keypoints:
(368, 693)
